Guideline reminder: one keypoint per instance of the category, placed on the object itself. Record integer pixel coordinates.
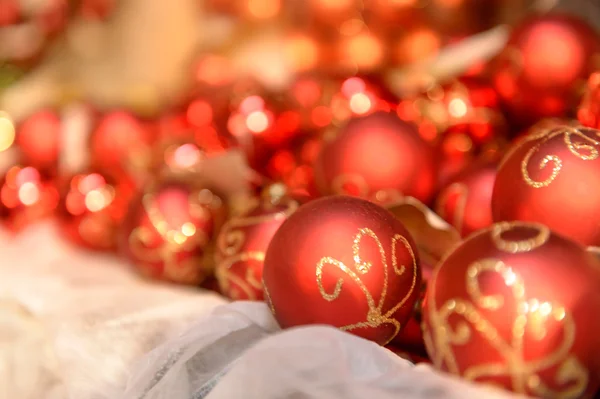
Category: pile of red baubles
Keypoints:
(337, 230)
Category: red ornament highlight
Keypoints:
(27, 195)
(501, 310)
(364, 278)
(378, 157)
(243, 242)
(466, 201)
(168, 232)
(92, 209)
(541, 71)
(553, 177)
(589, 110)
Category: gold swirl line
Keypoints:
(520, 246)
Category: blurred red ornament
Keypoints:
(26, 28)
(27, 195)
(589, 110)
(327, 16)
(168, 232)
(512, 306)
(359, 50)
(122, 144)
(243, 241)
(303, 51)
(553, 178)
(393, 13)
(92, 209)
(39, 140)
(466, 201)
(96, 9)
(248, 10)
(462, 119)
(364, 278)
(379, 157)
(416, 45)
(543, 68)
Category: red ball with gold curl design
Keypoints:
(364, 278)
(378, 157)
(243, 241)
(501, 309)
(466, 201)
(553, 177)
(543, 68)
(168, 232)
(92, 208)
(589, 109)
(27, 195)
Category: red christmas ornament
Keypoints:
(122, 144)
(462, 119)
(589, 110)
(553, 178)
(96, 9)
(503, 309)
(168, 232)
(27, 194)
(92, 209)
(532, 80)
(364, 278)
(243, 241)
(378, 157)
(39, 139)
(466, 201)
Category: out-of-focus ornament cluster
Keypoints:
(481, 288)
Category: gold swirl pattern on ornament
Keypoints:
(230, 243)
(532, 315)
(586, 149)
(187, 238)
(375, 316)
(461, 190)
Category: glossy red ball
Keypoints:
(379, 157)
(511, 306)
(346, 262)
(553, 177)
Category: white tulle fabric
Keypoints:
(77, 325)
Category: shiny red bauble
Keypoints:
(92, 209)
(27, 195)
(553, 178)
(513, 306)
(589, 109)
(378, 157)
(544, 66)
(39, 139)
(466, 201)
(168, 231)
(243, 241)
(346, 262)
(462, 119)
(121, 143)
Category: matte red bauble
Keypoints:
(466, 201)
(39, 139)
(553, 178)
(379, 157)
(168, 232)
(363, 278)
(512, 306)
(92, 209)
(122, 143)
(589, 110)
(27, 195)
(543, 68)
(243, 241)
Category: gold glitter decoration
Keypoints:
(268, 298)
(514, 247)
(462, 192)
(532, 315)
(231, 241)
(586, 149)
(174, 242)
(375, 316)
